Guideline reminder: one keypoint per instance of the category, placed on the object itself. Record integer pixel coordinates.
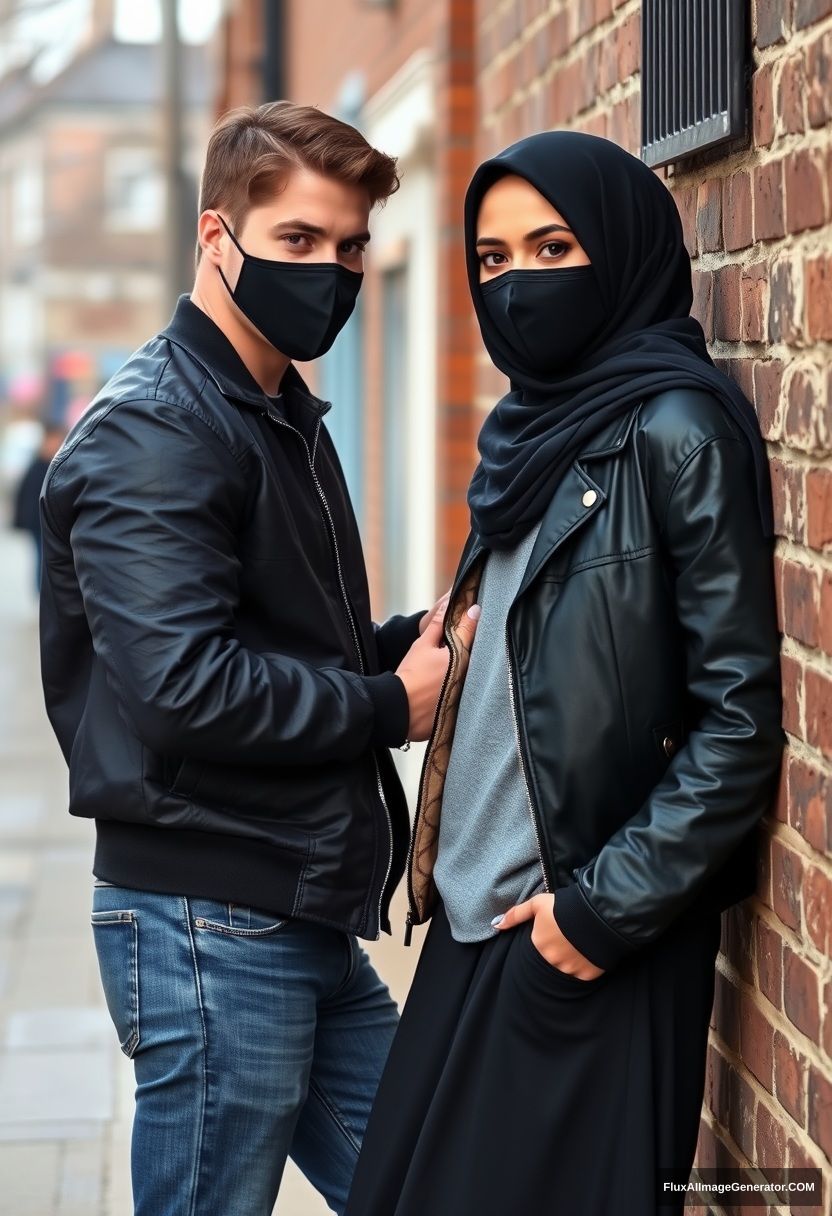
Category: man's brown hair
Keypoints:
(252, 148)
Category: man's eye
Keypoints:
(294, 238)
(352, 248)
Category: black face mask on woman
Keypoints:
(547, 317)
(299, 307)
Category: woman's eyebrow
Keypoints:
(530, 236)
(545, 230)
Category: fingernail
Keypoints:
(498, 919)
(474, 612)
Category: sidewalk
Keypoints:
(66, 1090)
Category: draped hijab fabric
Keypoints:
(628, 224)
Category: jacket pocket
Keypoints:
(116, 943)
(187, 778)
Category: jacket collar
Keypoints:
(195, 332)
(566, 513)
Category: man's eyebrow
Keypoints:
(313, 230)
(530, 236)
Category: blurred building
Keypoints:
(82, 210)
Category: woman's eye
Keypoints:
(554, 249)
(487, 261)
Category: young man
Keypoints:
(223, 699)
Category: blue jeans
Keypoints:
(252, 1039)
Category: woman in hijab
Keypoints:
(601, 759)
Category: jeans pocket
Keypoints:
(116, 936)
(236, 920)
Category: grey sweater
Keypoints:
(487, 856)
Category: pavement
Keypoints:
(66, 1090)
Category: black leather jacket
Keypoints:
(644, 654)
(210, 667)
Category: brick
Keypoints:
(768, 377)
(790, 1078)
(762, 106)
(703, 301)
(801, 601)
(628, 43)
(819, 711)
(686, 199)
(826, 613)
(726, 1011)
(736, 211)
(803, 415)
(805, 204)
(785, 306)
(791, 95)
(727, 303)
(709, 216)
(819, 73)
(741, 1112)
(817, 907)
(820, 1111)
(818, 297)
(769, 955)
(770, 1139)
(810, 802)
(754, 291)
(787, 483)
(827, 1018)
(757, 1042)
(800, 994)
(771, 22)
(819, 507)
(792, 673)
(808, 11)
(786, 879)
(738, 939)
(769, 216)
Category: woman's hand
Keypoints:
(547, 937)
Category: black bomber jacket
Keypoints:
(221, 695)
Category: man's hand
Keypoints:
(547, 937)
(423, 668)
(441, 604)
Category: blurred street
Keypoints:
(66, 1090)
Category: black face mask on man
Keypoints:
(547, 317)
(299, 307)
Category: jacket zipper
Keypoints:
(521, 756)
(411, 896)
(410, 919)
(348, 609)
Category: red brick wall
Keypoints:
(757, 225)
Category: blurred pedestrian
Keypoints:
(26, 513)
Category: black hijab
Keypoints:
(628, 224)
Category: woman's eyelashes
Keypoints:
(552, 251)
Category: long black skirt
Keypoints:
(514, 1089)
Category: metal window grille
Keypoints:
(693, 76)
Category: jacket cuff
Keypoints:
(392, 709)
(585, 929)
(395, 637)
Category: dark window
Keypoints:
(693, 82)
